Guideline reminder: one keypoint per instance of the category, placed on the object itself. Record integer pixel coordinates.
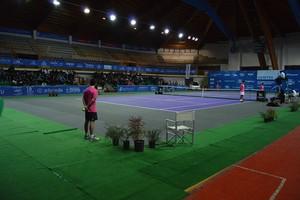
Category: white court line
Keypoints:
(164, 99)
(283, 180)
(119, 104)
(169, 108)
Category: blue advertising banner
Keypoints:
(90, 66)
(137, 88)
(52, 36)
(233, 79)
(39, 90)
(16, 31)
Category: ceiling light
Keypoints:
(86, 10)
(133, 22)
(196, 39)
(189, 37)
(56, 2)
(167, 31)
(152, 27)
(112, 17)
(180, 35)
(193, 38)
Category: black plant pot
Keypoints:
(115, 141)
(268, 119)
(139, 145)
(126, 145)
(152, 144)
(294, 109)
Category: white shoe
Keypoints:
(94, 139)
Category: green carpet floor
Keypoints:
(40, 159)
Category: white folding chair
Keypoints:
(100, 90)
(178, 130)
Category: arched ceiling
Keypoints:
(240, 17)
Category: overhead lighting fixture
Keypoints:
(112, 17)
(133, 22)
(152, 27)
(86, 10)
(56, 2)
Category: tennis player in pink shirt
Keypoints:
(89, 102)
(242, 91)
(262, 87)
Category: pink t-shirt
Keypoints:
(242, 88)
(88, 94)
(261, 88)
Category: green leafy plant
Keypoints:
(269, 115)
(153, 135)
(125, 133)
(294, 106)
(136, 128)
(113, 131)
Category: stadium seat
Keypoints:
(178, 130)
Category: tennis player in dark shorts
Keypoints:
(91, 116)
(89, 102)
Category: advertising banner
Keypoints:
(40, 90)
(233, 79)
(137, 88)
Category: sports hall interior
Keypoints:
(234, 153)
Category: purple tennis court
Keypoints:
(167, 102)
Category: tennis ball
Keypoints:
(83, 109)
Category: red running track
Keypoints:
(272, 173)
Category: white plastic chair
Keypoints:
(177, 130)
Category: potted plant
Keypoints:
(114, 132)
(294, 106)
(269, 115)
(125, 138)
(153, 136)
(137, 132)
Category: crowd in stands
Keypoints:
(46, 76)
(121, 78)
(41, 77)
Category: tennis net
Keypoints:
(206, 92)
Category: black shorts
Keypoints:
(91, 116)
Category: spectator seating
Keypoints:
(12, 45)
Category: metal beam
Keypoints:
(295, 7)
(254, 34)
(204, 5)
(267, 32)
(208, 26)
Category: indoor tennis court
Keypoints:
(45, 134)
(172, 103)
